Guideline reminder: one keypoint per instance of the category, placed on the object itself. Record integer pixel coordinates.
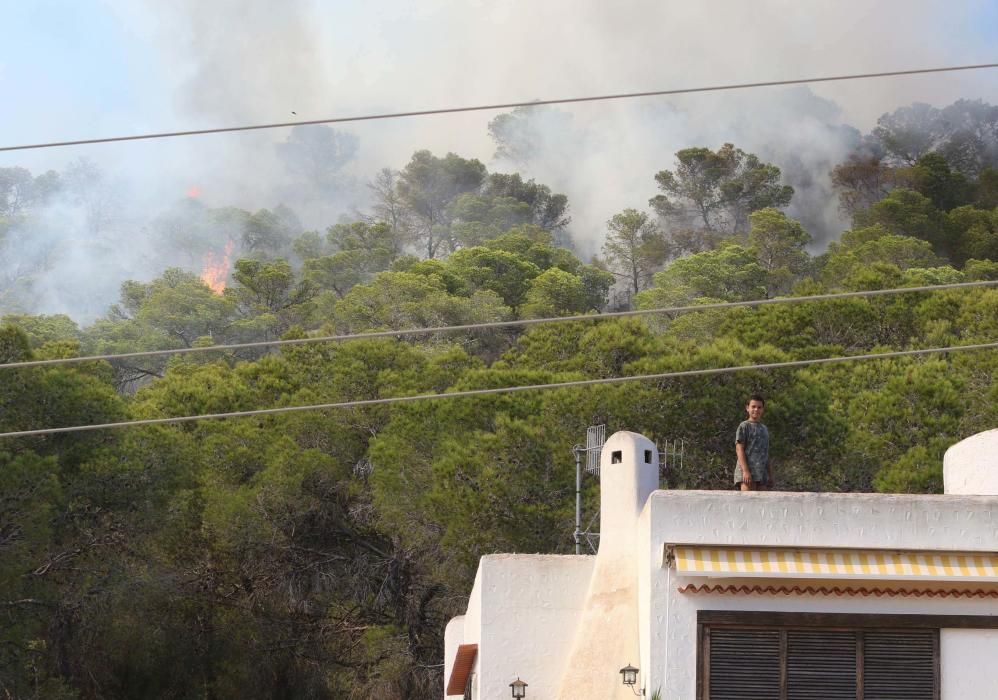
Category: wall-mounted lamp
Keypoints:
(518, 688)
(630, 677)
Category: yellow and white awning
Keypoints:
(777, 562)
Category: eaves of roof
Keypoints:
(464, 661)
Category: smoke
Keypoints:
(580, 153)
(69, 251)
(231, 62)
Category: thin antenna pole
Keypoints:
(578, 498)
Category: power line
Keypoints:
(502, 390)
(506, 105)
(498, 324)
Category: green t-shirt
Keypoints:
(755, 439)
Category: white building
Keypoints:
(721, 594)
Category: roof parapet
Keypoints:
(970, 467)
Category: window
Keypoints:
(780, 656)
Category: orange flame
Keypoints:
(194, 192)
(215, 272)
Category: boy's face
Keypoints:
(755, 410)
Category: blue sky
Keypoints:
(74, 68)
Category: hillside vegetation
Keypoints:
(319, 554)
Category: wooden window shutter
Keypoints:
(744, 664)
(900, 665)
(787, 662)
(821, 665)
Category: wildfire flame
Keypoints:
(194, 192)
(215, 272)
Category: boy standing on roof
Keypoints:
(753, 470)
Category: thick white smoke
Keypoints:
(232, 62)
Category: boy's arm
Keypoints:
(746, 474)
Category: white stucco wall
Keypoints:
(464, 629)
(648, 619)
(473, 616)
(952, 523)
(453, 638)
(529, 611)
(969, 664)
(971, 466)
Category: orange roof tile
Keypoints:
(464, 661)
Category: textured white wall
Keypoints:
(969, 664)
(852, 520)
(465, 629)
(795, 519)
(530, 609)
(971, 466)
(453, 638)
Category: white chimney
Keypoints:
(628, 475)
(606, 639)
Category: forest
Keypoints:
(319, 554)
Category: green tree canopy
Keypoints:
(873, 245)
(397, 300)
(717, 190)
(635, 247)
(555, 292)
(506, 274)
(976, 231)
(905, 212)
(426, 185)
(731, 273)
(548, 210)
(932, 176)
(779, 243)
(269, 300)
(476, 218)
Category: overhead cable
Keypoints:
(505, 105)
(498, 324)
(501, 390)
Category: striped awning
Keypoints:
(776, 562)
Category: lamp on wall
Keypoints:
(630, 677)
(518, 688)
